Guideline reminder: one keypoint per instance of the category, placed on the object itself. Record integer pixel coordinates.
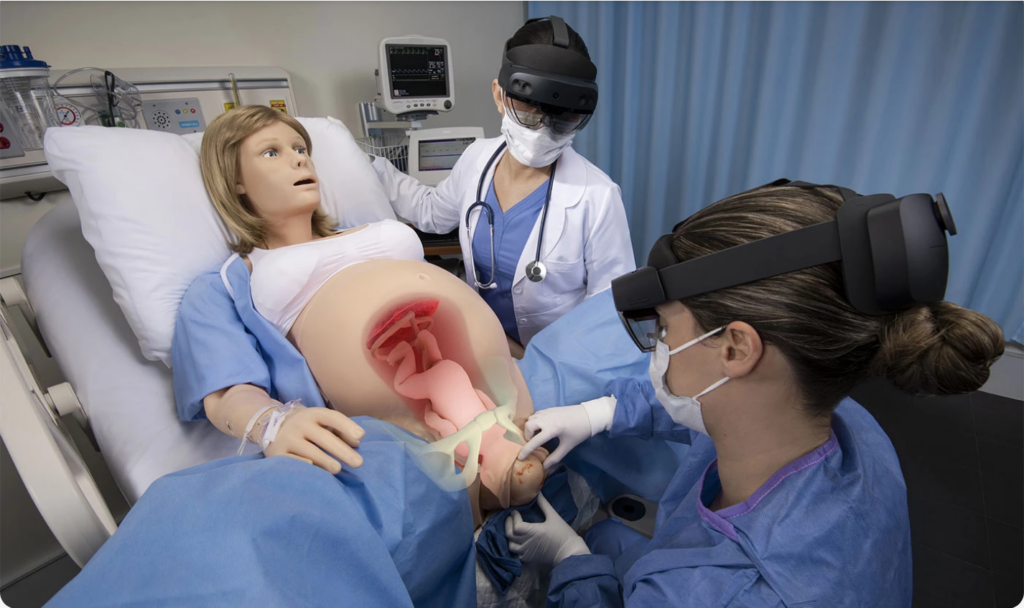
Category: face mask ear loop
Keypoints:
(695, 340)
(712, 387)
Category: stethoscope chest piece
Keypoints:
(536, 271)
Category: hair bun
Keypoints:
(938, 349)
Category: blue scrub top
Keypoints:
(511, 231)
(830, 529)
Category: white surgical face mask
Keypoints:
(683, 410)
(534, 147)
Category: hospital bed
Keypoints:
(122, 400)
(125, 403)
(78, 389)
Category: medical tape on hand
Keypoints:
(249, 427)
(276, 420)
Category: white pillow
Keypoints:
(145, 211)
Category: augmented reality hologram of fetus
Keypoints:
(453, 404)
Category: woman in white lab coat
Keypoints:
(559, 227)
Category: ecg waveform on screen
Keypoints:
(418, 71)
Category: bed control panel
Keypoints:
(179, 116)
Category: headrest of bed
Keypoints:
(145, 211)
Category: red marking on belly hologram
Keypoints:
(421, 308)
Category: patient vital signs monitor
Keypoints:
(416, 75)
(433, 152)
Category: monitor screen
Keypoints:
(441, 154)
(417, 71)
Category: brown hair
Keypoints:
(219, 162)
(937, 348)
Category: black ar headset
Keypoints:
(892, 250)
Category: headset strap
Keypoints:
(775, 255)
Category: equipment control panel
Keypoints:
(178, 116)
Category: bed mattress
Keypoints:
(129, 400)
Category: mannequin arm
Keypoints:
(230, 409)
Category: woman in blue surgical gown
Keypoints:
(788, 495)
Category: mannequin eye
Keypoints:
(300, 150)
(269, 153)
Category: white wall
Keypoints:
(329, 48)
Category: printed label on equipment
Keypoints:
(279, 105)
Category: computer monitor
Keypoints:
(433, 152)
(416, 75)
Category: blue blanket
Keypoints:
(255, 531)
(271, 532)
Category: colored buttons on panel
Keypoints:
(421, 105)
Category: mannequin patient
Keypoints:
(384, 333)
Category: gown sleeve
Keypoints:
(590, 581)
(211, 348)
(433, 209)
(639, 414)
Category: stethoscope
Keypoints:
(535, 270)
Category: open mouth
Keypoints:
(305, 182)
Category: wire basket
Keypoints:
(393, 148)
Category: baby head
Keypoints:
(526, 480)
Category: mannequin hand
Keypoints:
(546, 543)
(572, 425)
(315, 434)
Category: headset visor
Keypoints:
(534, 116)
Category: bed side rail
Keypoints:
(47, 460)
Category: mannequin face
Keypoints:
(276, 174)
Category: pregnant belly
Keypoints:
(358, 305)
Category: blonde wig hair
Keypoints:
(219, 162)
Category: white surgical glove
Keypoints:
(572, 424)
(546, 543)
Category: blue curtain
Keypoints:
(702, 100)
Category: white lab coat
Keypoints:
(586, 238)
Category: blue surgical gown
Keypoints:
(512, 229)
(830, 529)
(220, 341)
